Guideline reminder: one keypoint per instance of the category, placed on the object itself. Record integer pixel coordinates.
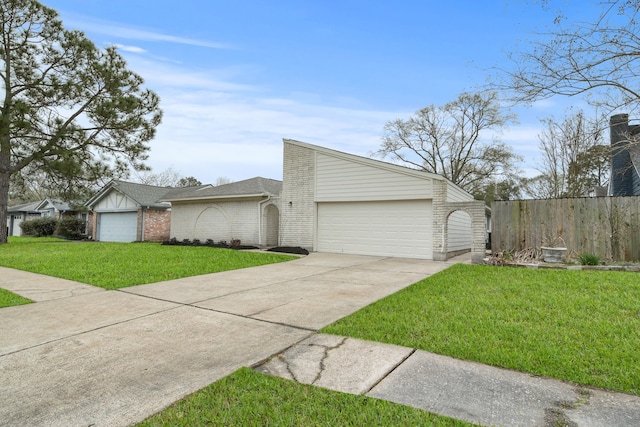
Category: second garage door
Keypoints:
(394, 228)
(118, 227)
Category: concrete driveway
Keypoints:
(86, 357)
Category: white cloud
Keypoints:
(132, 49)
(92, 25)
(214, 127)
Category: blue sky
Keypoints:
(235, 77)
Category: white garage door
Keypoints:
(14, 221)
(394, 228)
(118, 227)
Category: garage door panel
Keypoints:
(394, 228)
(118, 227)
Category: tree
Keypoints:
(507, 189)
(222, 180)
(575, 158)
(188, 182)
(67, 108)
(598, 58)
(167, 178)
(448, 140)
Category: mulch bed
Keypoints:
(223, 244)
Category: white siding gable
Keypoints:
(116, 201)
(457, 194)
(339, 179)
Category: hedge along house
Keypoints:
(343, 203)
(128, 212)
(248, 211)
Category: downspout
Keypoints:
(142, 223)
(260, 204)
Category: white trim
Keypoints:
(227, 197)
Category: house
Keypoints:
(328, 201)
(247, 210)
(338, 202)
(53, 208)
(18, 213)
(625, 157)
(127, 212)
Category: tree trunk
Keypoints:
(4, 204)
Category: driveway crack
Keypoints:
(325, 355)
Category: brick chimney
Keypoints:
(621, 167)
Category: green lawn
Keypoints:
(8, 299)
(249, 398)
(118, 265)
(582, 326)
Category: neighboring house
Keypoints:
(53, 208)
(247, 210)
(625, 158)
(18, 213)
(339, 202)
(127, 212)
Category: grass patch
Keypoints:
(581, 326)
(249, 398)
(9, 299)
(118, 265)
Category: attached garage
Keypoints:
(342, 203)
(385, 228)
(129, 212)
(117, 226)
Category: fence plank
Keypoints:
(606, 226)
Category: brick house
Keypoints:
(127, 212)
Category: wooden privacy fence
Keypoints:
(605, 226)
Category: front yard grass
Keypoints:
(581, 326)
(249, 398)
(9, 299)
(119, 265)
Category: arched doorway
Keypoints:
(476, 211)
(459, 233)
(271, 225)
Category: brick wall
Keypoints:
(92, 225)
(297, 216)
(157, 224)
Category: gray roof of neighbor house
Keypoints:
(24, 207)
(58, 205)
(257, 186)
(142, 194)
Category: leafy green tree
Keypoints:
(507, 189)
(188, 182)
(453, 141)
(67, 108)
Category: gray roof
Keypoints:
(57, 204)
(24, 207)
(248, 187)
(144, 195)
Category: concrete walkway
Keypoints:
(86, 357)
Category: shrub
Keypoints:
(589, 259)
(70, 228)
(39, 227)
